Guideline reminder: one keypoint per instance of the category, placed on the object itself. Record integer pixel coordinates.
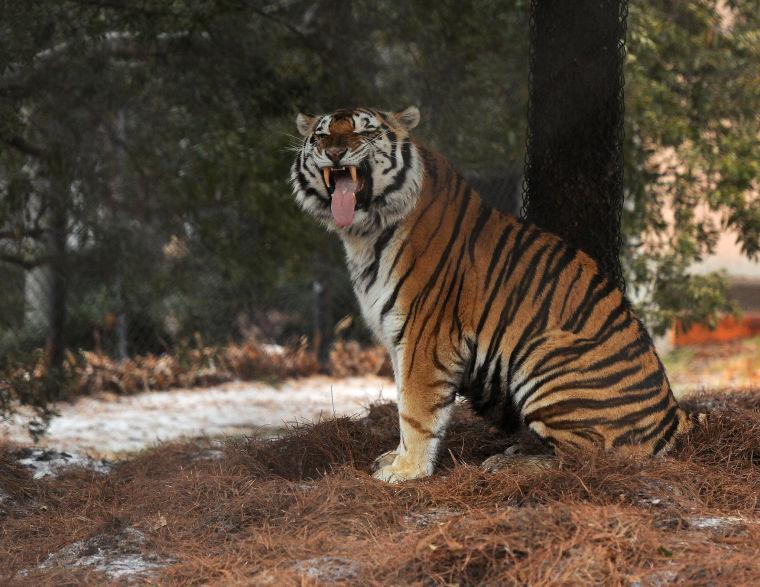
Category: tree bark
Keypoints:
(573, 182)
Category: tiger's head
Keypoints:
(358, 170)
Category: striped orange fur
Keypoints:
(473, 302)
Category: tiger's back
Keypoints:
(471, 301)
(526, 327)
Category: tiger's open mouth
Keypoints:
(343, 184)
(333, 175)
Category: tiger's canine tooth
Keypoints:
(353, 173)
(326, 175)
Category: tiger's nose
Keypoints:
(335, 153)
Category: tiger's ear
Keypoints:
(305, 124)
(409, 117)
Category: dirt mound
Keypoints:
(303, 508)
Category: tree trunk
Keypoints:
(57, 236)
(574, 166)
(36, 281)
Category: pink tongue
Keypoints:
(343, 201)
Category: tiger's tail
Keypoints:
(697, 419)
(690, 421)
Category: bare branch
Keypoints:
(309, 42)
(124, 6)
(21, 144)
(27, 264)
(119, 45)
(21, 233)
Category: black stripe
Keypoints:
(555, 268)
(447, 249)
(576, 425)
(400, 179)
(370, 273)
(665, 438)
(591, 305)
(480, 222)
(670, 420)
(599, 382)
(570, 290)
(496, 255)
(593, 283)
(449, 292)
(457, 321)
(617, 401)
(586, 302)
(654, 379)
(632, 350)
(464, 205)
(392, 300)
(506, 266)
(393, 156)
(567, 355)
(633, 417)
(582, 384)
(309, 191)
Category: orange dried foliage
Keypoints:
(202, 366)
(350, 359)
(90, 372)
(729, 328)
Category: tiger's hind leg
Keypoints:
(588, 393)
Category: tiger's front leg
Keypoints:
(424, 409)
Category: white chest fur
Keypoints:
(374, 285)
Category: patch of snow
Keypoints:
(112, 425)
(213, 452)
(50, 463)
(656, 579)
(117, 555)
(328, 569)
(434, 516)
(715, 522)
(273, 349)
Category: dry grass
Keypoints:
(730, 364)
(302, 509)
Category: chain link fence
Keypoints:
(149, 294)
(146, 203)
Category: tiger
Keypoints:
(471, 302)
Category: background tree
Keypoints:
(692, 151)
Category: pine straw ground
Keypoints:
(302, 509)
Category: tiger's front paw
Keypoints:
(384, 460)
(398, 469)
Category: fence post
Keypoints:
(55, 344)
(322, 321)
